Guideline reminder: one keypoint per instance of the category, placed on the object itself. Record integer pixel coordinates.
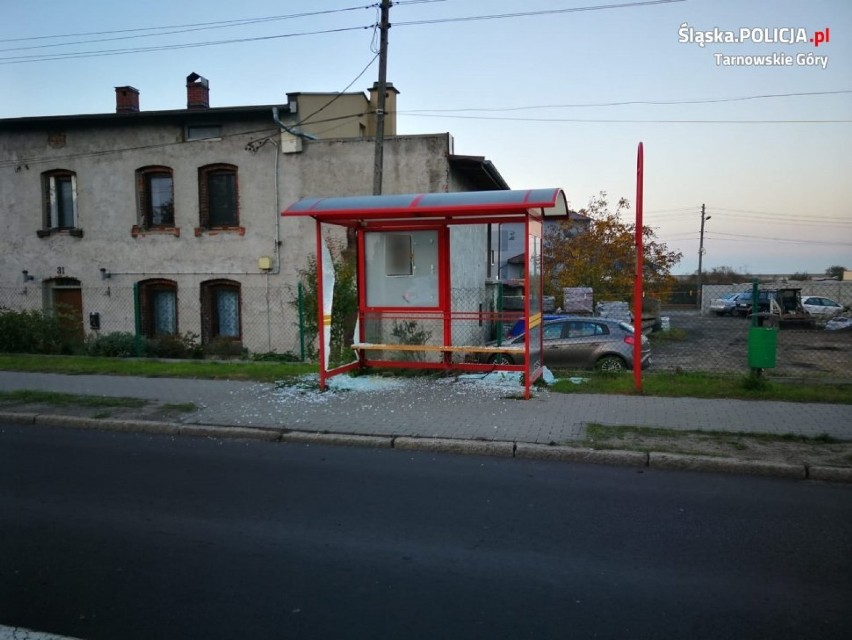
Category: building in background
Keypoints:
(168, 222)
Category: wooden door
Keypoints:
(68, 303)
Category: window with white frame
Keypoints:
(155, 194)
(60, 200)
(220, 310)
(158, 305)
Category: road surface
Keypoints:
(115, 535)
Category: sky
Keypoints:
(556, 93)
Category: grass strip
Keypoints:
(702, 385)
(602, 432)
(29, 396)
(152, 368)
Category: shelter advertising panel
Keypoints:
(402, 268)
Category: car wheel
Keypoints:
(501, 358)
(611, 363)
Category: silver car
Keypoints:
(819, 306)
(726, 304)
(573, 342)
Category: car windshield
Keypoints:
(626, 327)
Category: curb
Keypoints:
(245, 433)
(576, 454)
(342, 439)
(682, 462)
(830, 474)
(495, 448)
(135, 426)
(500, 449)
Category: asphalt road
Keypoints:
(116, 535)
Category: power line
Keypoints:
(339, 93)
(126, 51)
(105, 152)
(689, 207)
(789, 218)
(197, 26)
(629, 121)
(753, 238)
(113, 52)
(627, 103)
(524, 14)
(770, 213)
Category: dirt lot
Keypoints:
(715, 343)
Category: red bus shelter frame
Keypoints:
(438, 212)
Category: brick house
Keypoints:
(167, 222)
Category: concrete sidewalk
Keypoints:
(450, 408)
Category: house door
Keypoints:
(68, 304)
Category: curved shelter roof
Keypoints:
(462, 206)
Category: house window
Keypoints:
(220, 310)
(155, 189)
(204, 132)
(60, 200)
(218, 197)
(158, 304)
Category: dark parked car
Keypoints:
(520, 326)
(744, 300)
(582, 342)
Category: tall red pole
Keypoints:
(637, 284)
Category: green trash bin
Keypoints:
(762, 347)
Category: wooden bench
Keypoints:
(435, 348)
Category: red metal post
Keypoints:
(445, 294)
(361, 275)
(637, 285)
(320, 310)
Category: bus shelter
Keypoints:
(411, 314)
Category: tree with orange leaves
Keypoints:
(604, 256)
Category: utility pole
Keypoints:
(704, 218)
(384, 26)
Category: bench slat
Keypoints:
(434, 348)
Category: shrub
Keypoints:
(34, 331)
(224, 348)
(410, 332)
(271, 356)
(120, 344)
(176, 346)
(344, 311)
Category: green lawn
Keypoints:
(704, 385)
(696, 385)
(151, 368)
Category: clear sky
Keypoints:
(558, 95)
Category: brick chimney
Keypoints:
(197, 92)
(126, 100)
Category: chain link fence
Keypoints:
(271, 320)
(223, 321)
(708, 337)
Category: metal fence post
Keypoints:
(137, 319)
(755, 308)
(301, 322)
(499, 314)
